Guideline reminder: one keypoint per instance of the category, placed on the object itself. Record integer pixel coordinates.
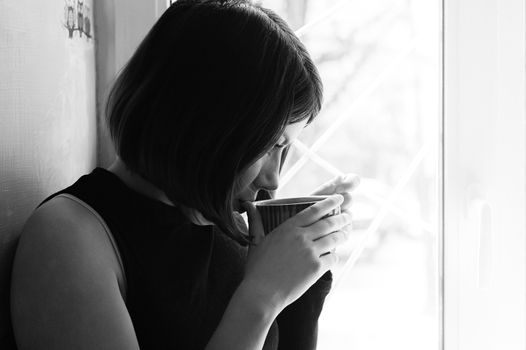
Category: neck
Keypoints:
(144, 187)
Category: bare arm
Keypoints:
(65, 292)
(245, 323)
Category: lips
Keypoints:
(250, 199)
(252, 195)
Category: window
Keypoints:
(379, 62)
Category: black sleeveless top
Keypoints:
(180, 276)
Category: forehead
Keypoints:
(292, 131)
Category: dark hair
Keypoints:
(209, 90)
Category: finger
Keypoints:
(339, 184)
(349, 182)
(346, 210)
(317, 211)
(329, 261)
(255, 224)
(331, 241)
(347, 200)
(328, 225)
(328, 187)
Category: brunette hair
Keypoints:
(209, 90)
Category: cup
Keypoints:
(275, 211)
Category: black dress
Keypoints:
(180, 276)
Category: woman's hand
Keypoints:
(343, 185)
(282, 265)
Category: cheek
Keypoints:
(249, 175)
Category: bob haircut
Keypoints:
(208, 92)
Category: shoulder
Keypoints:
(65, 277)
(67, 226)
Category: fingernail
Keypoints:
(339, 197)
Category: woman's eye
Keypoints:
(275, 147)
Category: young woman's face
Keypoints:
(264, 173)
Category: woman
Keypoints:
(151, 252)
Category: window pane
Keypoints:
(379, 62)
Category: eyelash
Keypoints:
(275, 146)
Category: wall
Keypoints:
(47, 112)
(120, 27)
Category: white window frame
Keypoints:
(484, 157)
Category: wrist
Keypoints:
(262, 306)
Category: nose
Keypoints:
(268, 178)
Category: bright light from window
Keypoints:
(379, 61)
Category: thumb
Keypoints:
(255, 225)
